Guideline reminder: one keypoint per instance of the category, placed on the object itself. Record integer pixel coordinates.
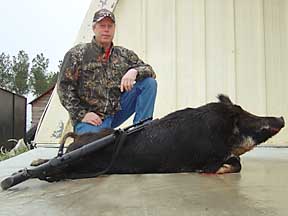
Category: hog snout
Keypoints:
(277, 125)
(282, 121)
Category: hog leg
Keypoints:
(231, 165)
(38, 162)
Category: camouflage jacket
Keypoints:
(89, 82)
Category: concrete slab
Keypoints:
(260, 189)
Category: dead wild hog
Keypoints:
(206, 139)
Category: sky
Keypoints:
(41, 26)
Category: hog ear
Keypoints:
(224, 99)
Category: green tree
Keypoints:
(52, 78)
(20, 71)
(38, 79)
(16, 76)
(6, 76)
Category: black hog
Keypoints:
(206, 139)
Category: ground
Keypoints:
(260, 189)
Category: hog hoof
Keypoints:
(231, 165)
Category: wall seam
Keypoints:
(205, 51)
(175, 53)
(235, 55)
(265, 57)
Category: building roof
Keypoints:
(12, 92)
(42, 95)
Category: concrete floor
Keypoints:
(260, 189)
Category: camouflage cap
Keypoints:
(101, 14)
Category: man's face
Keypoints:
(104, 31)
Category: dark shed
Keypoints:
(12, 116)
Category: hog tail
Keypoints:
(63, 140)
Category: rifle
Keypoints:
(55, 165)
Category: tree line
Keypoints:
(19, 75)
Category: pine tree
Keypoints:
(15, 75)
(20, 70)
(38, 79)
(6, 76)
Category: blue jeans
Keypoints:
(140, 99)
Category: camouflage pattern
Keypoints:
(90, 83)
(102, 13)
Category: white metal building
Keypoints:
(199, 48)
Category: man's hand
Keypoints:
(92, 118)
(128, 80)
